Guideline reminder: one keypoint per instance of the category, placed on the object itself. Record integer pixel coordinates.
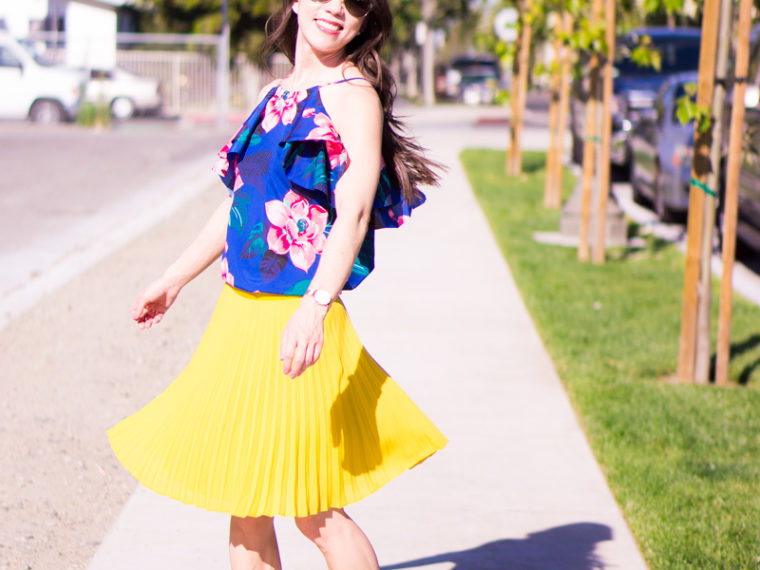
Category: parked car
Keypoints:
(661, 151)
(34, 89)
(634, 87)
(473, 79)
(748, 223)
(125, 93)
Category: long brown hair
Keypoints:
(403, 156)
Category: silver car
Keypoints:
(125, 93)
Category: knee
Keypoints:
(323, 529)
(311, 527)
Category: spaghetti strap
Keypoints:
(344, 81)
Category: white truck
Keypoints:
(31, 88)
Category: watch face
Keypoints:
(322, 297)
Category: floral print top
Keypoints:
(281, 169)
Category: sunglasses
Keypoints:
(357, 8)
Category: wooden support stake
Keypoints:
(703, 344)
(700, 168)
(589, 145)
(514, 153)
(598, 250)
(553, 154)
(730, 207)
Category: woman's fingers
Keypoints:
(297, 357)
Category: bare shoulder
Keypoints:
(352, 104)
(267, 88)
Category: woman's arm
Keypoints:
(153, 301)
(358, 118)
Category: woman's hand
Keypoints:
(152, 302)
(302, 338)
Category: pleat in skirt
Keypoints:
(233, 434)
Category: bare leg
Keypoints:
(341, 541)
(253, 544)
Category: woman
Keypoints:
(281, 411)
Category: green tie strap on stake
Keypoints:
(704, 187)
(593, 139)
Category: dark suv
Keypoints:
(635, 87)
(473, 79)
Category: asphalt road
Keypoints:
(65, 188)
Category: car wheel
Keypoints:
(636, 193)
(660, 207)
(46, 112)
(122, 108)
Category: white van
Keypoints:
(31, 88)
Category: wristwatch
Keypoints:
(321, 296)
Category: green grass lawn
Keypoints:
(682, 460)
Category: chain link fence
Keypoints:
(185, 67)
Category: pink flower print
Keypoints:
(325, 131)
(400, 219)
(222, 164)
(238, 179)
(281, 108)
(225, 268)
(309, 112)
(298, 229)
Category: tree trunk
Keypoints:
(590, 144)
(598, 250)
(564, 104)
(514, 153)
(555, 145)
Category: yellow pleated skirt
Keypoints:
(233, 434)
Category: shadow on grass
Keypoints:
(532, 163)
(737, 349)
(653, 246)
(570, 547)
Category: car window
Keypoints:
(7, 59)
(39, 59)
(677, 55)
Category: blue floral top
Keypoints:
(281, 169)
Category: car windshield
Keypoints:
(677, 55)
(32, 51)
(476, 68)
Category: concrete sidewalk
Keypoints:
(517, 487)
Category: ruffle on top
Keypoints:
(314, 159)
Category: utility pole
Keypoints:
(730, 207)
(687, 345)
(223, 68)
(428, 52)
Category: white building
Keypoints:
(89, 26)
(17, 17)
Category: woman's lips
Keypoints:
(332, 28)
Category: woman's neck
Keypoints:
(311, 68)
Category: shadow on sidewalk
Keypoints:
(570, 547)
